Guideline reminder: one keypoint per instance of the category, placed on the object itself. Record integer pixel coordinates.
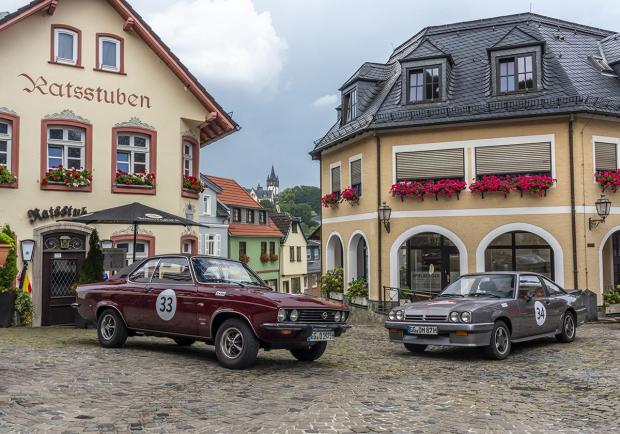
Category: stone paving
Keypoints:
(60, 380)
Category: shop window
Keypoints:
(520, 251)
(110, 55)
(134, 160)
(66, 45)
(9, 150)
(430, 165)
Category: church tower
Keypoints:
(273, 183)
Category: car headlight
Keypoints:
(343, 317)
(454, 316)
(399, 315)
(392, 315)
(337, 316)
(466, 317)
(294, 315)
(281, 315)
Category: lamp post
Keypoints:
(385, 212)
(603, 206)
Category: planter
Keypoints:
(613, 309)
(4, 252)
(336, 296)
(7, 308)
(143, 187)
(360, 301)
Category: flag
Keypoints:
(26, 284)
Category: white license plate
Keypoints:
(318, 336)
(422, 330)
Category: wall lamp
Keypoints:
(385, 212)
(603, 206)
(27, 249)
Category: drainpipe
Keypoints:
(321, 234)
(379, 228)
(573, 213)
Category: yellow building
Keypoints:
(510, 102)
(87, 85)
(293, 254)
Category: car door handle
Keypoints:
(200, 304)
(148, 289)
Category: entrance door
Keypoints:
(63, 255)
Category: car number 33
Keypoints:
(166, 304)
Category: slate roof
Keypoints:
(232, 193)
(570, 81)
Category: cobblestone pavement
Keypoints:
(60, 380)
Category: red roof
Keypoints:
(233, 194)
(241, 230)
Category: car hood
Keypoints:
(296, 300)
(443, 306)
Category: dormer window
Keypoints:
(66, 45)
(516, 73)
(349, 106)
(424, 84)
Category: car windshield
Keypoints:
(213, 270)
(483, 285)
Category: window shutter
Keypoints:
(435, 164)
(509, 159)
(335, 178)
(605, 156)
(218, 245)
(356, 172)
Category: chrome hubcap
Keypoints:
(232, 343)
(569, 326)
(108, 326)
(501, 340)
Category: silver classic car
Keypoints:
(489, 310)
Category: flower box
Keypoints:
(492, 184)
(192, 184)
(74, 178)
(244, 258)
(609, 180)
(359, 301)
(420, 189)
(535, 184)
(136, 180)
(350, 195)
(6, 177)
(336, 295)
(612, 309)
(330, 200)
(264, 258)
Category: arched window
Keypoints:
(520, 251)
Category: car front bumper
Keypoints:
(289, 335)
(448, 334)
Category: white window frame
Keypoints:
(132, 150)
(8, 138)
(188, 157)
(139, 255)
(333, 166)
(75, 36)
(187, 243)
(65, 144)
(206, 205)
(603, 139)
(115, 41)
(351, 160)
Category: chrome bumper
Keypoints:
(478, 335)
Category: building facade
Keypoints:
(253, 238)
(293, 254)
(488, 144)
(313, 278)
(213, 239)
(98, 114)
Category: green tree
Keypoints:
(92, 268)
(304, 202)
(267, 204)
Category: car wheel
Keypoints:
(500, 344)
(111, 329)
(415, 348)
(309, 354)
(236, 346)
(184, 342)
(569, 329)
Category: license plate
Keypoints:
(318, 336)
(422, 330)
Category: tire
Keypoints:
(184, 342)
(111, 329)
(500, 345)
(569, 329)
(309, 354)
(236, 346)
(415, 348)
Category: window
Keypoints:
(285, 286)
(210, 270)
(516, 159)
(424, 84)
(530, 286)
(356, 175)
(605, 156)
(349, 105)
(291, 254)
(132, 153)
(263, 247)
(5, 144)
(272, 247)
(298, 254)
(188, 159)
(262, 217)
(213, 245)
(206, 205)
(66, 147)
(305, 282)
(335, 179)
(296, 285)
(553, 289)
(515, 73)
(242, 249)
(110, 56)
(145, 272)
(250, 216)
(172, 271)
(236, 215)
(294, 227)
(314, 280)
(142, 250)
(520, 251)
(435, 164)
(66, 47)
(187, 246)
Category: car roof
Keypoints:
(508, 273)
(185, 255)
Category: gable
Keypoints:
(515, 37)
(425, 50)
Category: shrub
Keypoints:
(92, 268)
(332, 281)
(8, 272)
(611, 296)
(24, 308)
(358, 288)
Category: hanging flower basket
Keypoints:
(492, 184)
(535, 184)
(6, 177)
(609, 180)
(193, 184)
(144, 180)
(350, 195)
(330, 200)
(69, 177)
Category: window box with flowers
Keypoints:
(136, 180)
(244, 258)
(192, 184)
(7, 178)
(350, 195)
(264, 258)
(420, 189)
(492, 184)
(273, 257)
(73, 178)
(330, 200)
(609, 180)
(535, 184)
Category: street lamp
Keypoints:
(106, 244)
(603, 206)
(385, 212)
(27, 249)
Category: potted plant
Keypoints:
(273, 257)
(608, 180)
(8, 273)
(244, 258)
(332, 284)
(6, 243)
(357, 292)
(264, 258)
(492, 184)
(611, 301)
(75, 178)
(193, 184)
(135, 180)
(6, 177)
(535, 184)
(330, 200)
(350, 195)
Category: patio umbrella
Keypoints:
(134, 214)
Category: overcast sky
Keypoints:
(277, 64)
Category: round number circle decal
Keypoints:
(540, 313)
(166, 305)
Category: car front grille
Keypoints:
(430, 318)
(414, 317)
(316, 315)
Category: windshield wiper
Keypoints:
(480, 294)
(451, 295)
(225, 281)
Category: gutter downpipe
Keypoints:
(573, 213)
(379, 228)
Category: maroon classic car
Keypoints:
(214, 300)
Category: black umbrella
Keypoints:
(134, 214)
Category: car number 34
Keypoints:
(166, 304)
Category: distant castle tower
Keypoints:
(273, 183)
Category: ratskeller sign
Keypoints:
(55, 212)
